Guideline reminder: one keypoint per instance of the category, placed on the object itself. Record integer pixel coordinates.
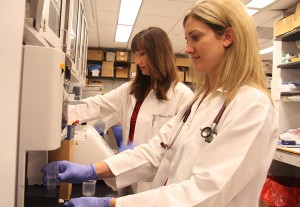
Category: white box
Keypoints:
(110, 56)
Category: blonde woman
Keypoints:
(216, 151)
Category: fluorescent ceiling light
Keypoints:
(252, 11)
(123, 33)
(265, 51)
(259, 3)
(128, 11)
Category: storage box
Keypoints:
(182, 62)
(65, 152)
(181, 75)
(188, 76)
(122, 56)
(121, 72)
(107, 69)
(297, 17)
(110, 56)
(132, 57)
(95, 55)
(284, 25)
(133, 69)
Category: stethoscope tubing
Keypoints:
(205, 136)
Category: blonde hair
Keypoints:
(242, 64)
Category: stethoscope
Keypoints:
(208, 133)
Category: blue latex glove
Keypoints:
(88, 202)
(72, 173)
(124, 147)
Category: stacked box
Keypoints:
(182, 62)
(95, 55)
(110, 56)
(107, 69)
(297, 17)
(121, 72)
(122, 56)
(284, 25)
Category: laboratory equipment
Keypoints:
(89, 188)
(51, 173)
(40, 118)
(89, 145)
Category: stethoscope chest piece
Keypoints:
(208, 134)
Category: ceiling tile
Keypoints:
(107, 5)
(107, 32)
(264, 16)
(166, 23)
(165, 8)
(168, 14)
(104, 17)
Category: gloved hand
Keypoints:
(88, 202)
(72, 172)
(129, 146)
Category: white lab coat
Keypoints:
(228, 172)
(119, 105)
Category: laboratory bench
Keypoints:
(102, 190)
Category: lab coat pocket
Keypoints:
(192, 149)
(158, 121)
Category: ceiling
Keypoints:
(168, 14)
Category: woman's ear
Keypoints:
(228, 37)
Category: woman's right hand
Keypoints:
(71, 172)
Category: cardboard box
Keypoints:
(133, 69)
(182, 62)
(65, 152)
(95, 55)
(188, 76)
(284, 25)
(122, 73)
(181, 75)
(122, 56)
(297, 17)
(132, 57)
(107, 69)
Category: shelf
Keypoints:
(291, 36)
(121, 64)
(294, 93)
(293, 65)
(94, 61)
(290, 98)
(93, 77)
(287, 156)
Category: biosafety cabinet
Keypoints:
(54, 55)
(62, 24)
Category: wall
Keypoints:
(11, 21)
(109, 85)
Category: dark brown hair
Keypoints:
(161, 63)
